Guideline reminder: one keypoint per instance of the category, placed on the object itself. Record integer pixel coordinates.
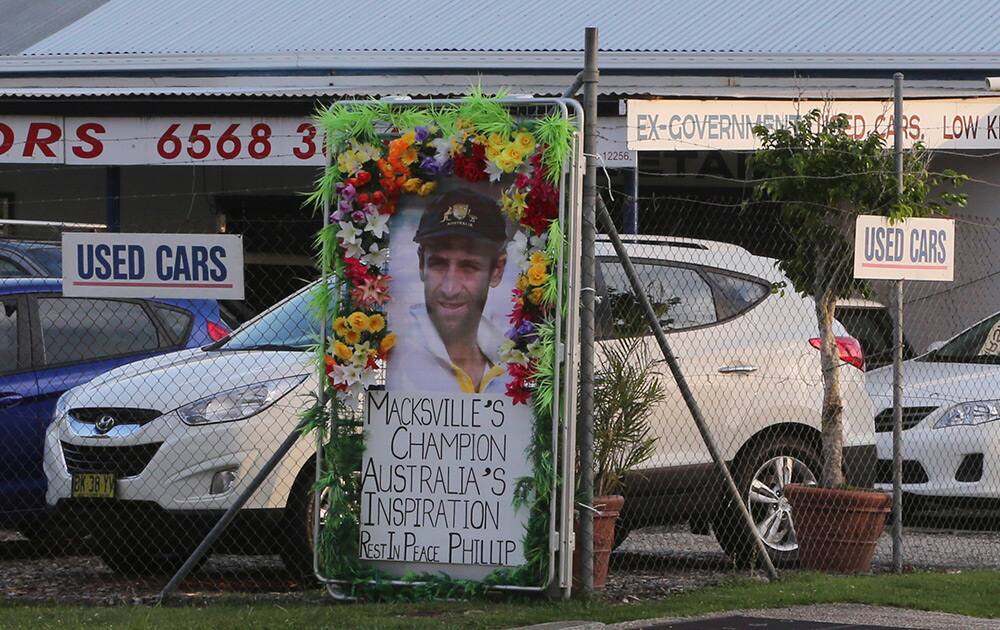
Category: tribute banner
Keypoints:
(438, 479)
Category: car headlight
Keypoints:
(62, 406)
(970, 414)
(237, 404)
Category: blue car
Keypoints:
(49, 344)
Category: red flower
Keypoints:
(355, 270)
(518, 393)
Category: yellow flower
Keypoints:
(496, 140)
(376, 323)
(358, 321)
(537, 295)
(512, 152)
(539, 258)
(513, 205)
(387, 343)
(409, 156)
(412, 185)
(524, 141)
(340, 326)
(522, 282)
(427, 188)
(493, 152)
(537, 274)
(342, 351)
(352, 337)
(507, 164)
(409, 137)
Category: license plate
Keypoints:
(94, 485)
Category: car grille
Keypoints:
(122, 415)
(124, 461)
(911, 418)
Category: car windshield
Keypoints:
(49, 258)
(289, 325)
(979, 344)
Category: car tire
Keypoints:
(766, 467)
(297, 548)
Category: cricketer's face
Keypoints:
(458, 273)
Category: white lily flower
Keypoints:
(493, 171)
(348, 232)
(353, 249)
(375, 256)
(378, 224)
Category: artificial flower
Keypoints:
(536, 295)
(347, 232)
(375, 256)
(372, 291)
(537, 274)
(376, 323)
(378, 225)
(426, 188)
(412, 185)
(352, 337)
(340, 327)
(342, 351)
(513, 204)
(388, 343)
(358, 321)
(538, 258)
(524, 141)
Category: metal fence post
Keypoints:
(675, 370)
(897, 359)
(586, 419)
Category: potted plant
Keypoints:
(823, 178)
(626, 391)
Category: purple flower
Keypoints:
(336, 216)
(430, 165)
(522, 331)
(358, 216)
(421, 133)
(347, 193)
(345, 206)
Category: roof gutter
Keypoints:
(569, 60)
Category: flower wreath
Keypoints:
(381, 153)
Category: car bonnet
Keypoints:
(169, 381)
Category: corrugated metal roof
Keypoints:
(26, 22)
(863, 27)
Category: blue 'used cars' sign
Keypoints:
(911, 249)
(206, 266)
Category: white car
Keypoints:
(747, 344)
(951, 423)
(146, 457)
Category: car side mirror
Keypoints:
(935, 345)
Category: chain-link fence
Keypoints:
(130, 425)
(106, 494)
(748, 344)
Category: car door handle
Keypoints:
(737, 369)
(9, 399)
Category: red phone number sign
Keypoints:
(240, 141)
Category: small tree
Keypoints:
(823, 179)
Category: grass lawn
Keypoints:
(969, 593)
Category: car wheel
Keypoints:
(297, 548)
(761, 476)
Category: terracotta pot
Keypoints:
(604, 538)
(837, 529)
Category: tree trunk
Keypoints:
(833, 405)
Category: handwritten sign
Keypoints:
(438, 479)
(913, 249)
